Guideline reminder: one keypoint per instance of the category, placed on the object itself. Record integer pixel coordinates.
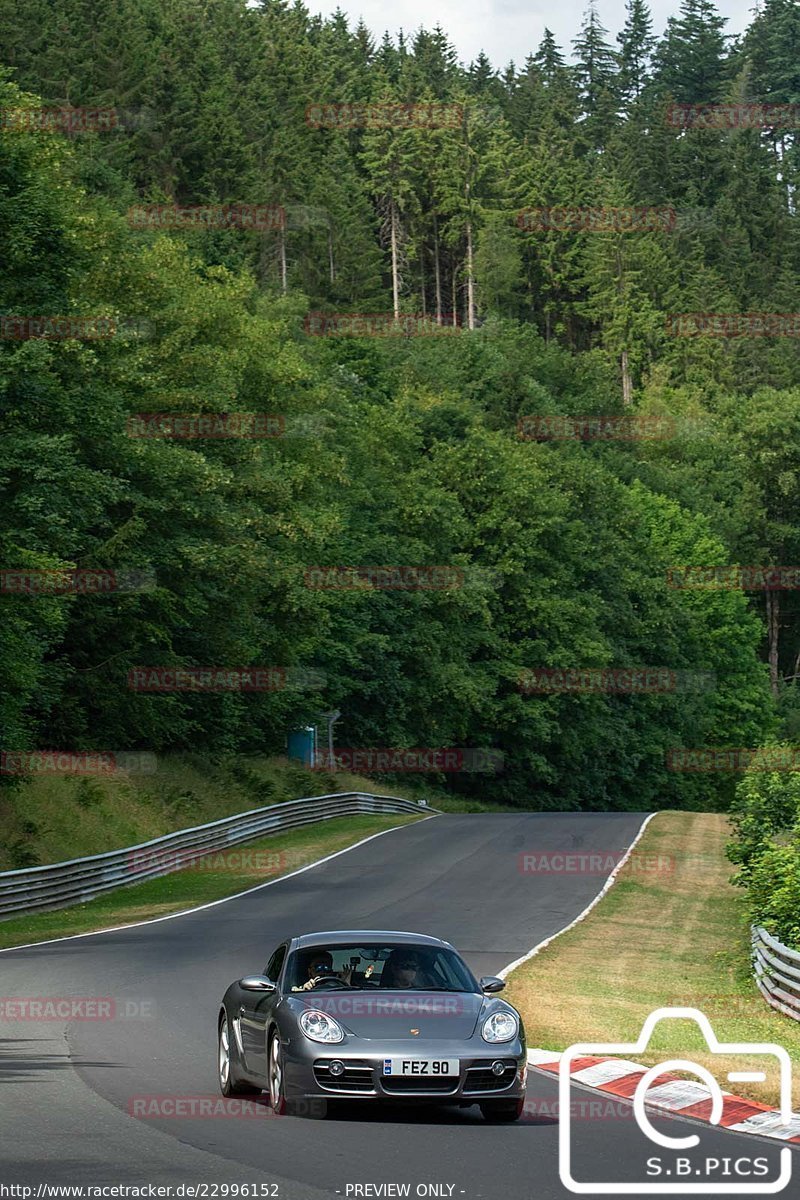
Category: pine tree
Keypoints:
(771, 51)
(543, 86)
(432, 66)
(636, 43)
(691, 59)
(598, 78)
(629, 284)
(548, 58)
(388, 158)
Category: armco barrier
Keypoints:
(777, 971)
(81, 879)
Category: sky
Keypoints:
(508, 29)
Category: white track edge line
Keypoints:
(187, 912)
(608, 883)
(557, 1054)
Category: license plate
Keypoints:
(425, 1068)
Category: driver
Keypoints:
(320, 966)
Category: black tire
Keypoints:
(275, 1077)
(502, 1112)
(227, 1074)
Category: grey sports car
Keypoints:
(377, 1015)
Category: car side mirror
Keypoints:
(257, 983)
(490, 983)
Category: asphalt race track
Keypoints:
(66, 1087)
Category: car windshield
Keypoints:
(380, 965)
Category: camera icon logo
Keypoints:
(723, 1187)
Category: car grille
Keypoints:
(398, 1084)
(357, 1076)
(481, 1079)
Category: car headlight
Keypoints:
(501, 1026)
(320, 1027)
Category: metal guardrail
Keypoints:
(81, 879)
(777, 971)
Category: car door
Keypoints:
(254, 1012)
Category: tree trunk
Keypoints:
(437, 271)
(773, 600)
(455, 295)
(330, 256)
(395, 280)
(282, 247)
(797, 667)
(627, 385)
(470, 281)
(422, 278)
(263, 260)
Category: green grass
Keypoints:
(49, 819)
(222, 874)
(679, 938)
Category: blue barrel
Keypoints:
(301, 745)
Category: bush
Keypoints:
(767, 804)
(766, 819)
(774, 893)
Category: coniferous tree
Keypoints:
(771, 51)
(691, 60)
(597, 74)
(388, 158)
(636, 43)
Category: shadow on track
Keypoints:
(17, 1064)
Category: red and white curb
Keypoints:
(684, 1097)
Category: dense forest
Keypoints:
(411, 448)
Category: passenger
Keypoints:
(401, 970)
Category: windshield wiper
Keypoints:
(441, 989)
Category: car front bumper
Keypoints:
(307, 1073)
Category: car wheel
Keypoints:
(277, 1086)
(503, 1111)
(229, 1083)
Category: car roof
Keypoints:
(364, 936)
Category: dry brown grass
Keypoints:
(659, 939)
